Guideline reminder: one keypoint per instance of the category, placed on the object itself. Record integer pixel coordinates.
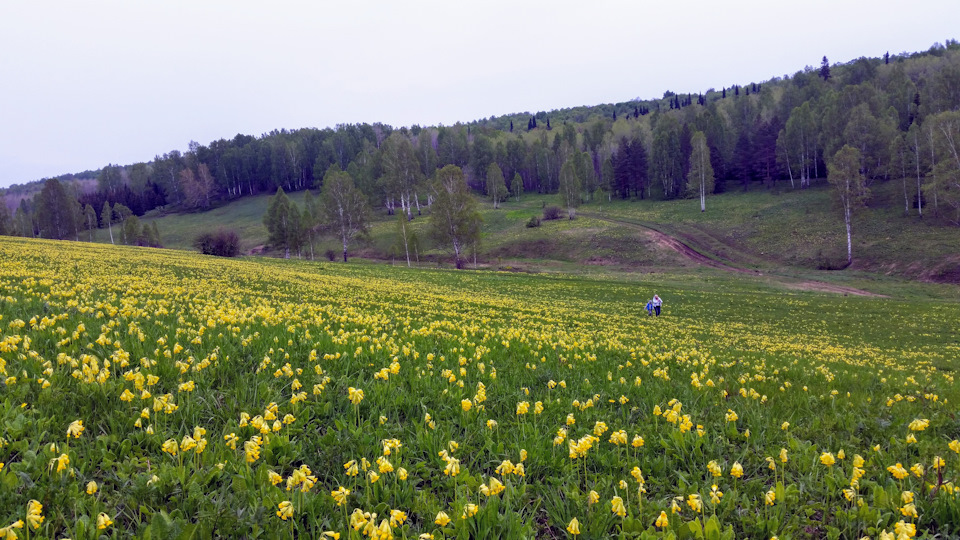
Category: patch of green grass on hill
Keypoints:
(770, 230)
(803, 228)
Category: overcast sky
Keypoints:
(87, 83)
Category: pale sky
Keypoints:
(87, 83)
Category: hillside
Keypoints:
(763, 231)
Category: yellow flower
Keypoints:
(355, 395)
(285, 510)
(906, 530)
(715, 494)
(906, 497)
(401, 474)
(770, 497)
(522, 408)
(938, 463)
(103, 521)
(919, 424)
(694, 502)
(617, 506)
(351, 468)
(785, 426)
(469, 511)
(442, 519)
(573, 527)
(75, 429)
(274, 477)
(827, 459)
(466, 404)
(62, 462)
(397, 517)
(171, 447)
(731, 416)
(736, 470)
(332, 534)
(593, 497)
(783, 455)
(954, 445)
(898, 471)
(491, 424)
(662, 521)
(714, 468)
(34, 511)
(523, 455)
(637, 441)
(92, 488)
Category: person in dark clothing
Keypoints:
(657, 302)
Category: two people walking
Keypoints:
(653, 306)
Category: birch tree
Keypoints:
(343, 208)
(843, 173)
(454, 220)
(700, 177)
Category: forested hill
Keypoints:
(899, 111)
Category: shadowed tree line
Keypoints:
(898, 111)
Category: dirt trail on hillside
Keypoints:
(678, 246)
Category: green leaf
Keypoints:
(711, 530)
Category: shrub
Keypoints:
(551, 212)
(331, 255)
(222, 243)
(534, 222)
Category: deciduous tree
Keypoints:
(700, 177)
(570, 186)
(496, 185)
(278, 222)
(454, 220)
(343, 208)
(850, 186)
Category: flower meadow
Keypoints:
(158, 394)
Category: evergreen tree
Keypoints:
(825, 69)
(6, 220)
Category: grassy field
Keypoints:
(165, 394)
(785, 232)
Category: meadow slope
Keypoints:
(220, 397)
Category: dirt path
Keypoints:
(675, 244)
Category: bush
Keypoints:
(331, 255)
(534, 222)
(222, 243)
(551, 212)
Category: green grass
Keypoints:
(790, 234)
(847, 373)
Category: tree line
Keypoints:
(342, 211)
(57, 213)
(897, 111)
